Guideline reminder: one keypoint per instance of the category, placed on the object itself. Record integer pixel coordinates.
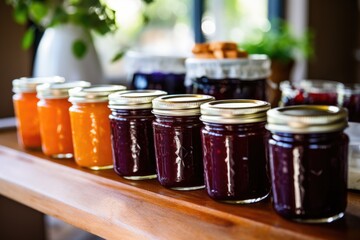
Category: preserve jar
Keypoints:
(243, 78)
(309, 92)
(149, 71)
(308, 153)
(177, 140)
(132, 133)
(25, 107)
(54, 118)
(90, 125)
(349, 98)
(234, 150)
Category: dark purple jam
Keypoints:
(132, 143)
(229, 88)
(309, 174)
(303, 98)
(171, 83)
(352, 104)
(235, 161)
(179, 152)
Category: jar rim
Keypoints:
(134, 99)
(29, 84)
(58, 90)
(94, 93)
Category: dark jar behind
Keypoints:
(234, 150)
(132, 133)
(349, 98)
(243, 78)
(308, 161)
(177, 139)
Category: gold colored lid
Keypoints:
(29, 85)
(234, 111)
(307, 119)
(180, 104)
(134, 99)
(58, 90)
(95, 93)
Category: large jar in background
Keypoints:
(90, 124)
(177, 139)
(132, 133)
(25, 106)
(308, 153)
(234, 150)
(243, 78)
(54, 118)
(146, 71)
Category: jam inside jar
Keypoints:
(234, 148)
(177, 140)
(308, 162)
(349, 98)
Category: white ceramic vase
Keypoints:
(54, 55)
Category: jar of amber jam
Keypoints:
(90, 125)
(243, 78)
(309, 92)
(234, 139)
(132, 133)
(177, 139)
(25, 106)
(54, 118)
(308, 152)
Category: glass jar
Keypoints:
(132, 133)
(234, 139)
(349, 98)
(25, 106)
(156, 72)
(90, 124)
(54, 118)
(243, 78)
(308, 153)
(177, 139)
(309, 92)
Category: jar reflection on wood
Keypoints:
(90, 124)
(308, 160)
(177, 138)
(25, 106)
(132, 133)
(234, 150)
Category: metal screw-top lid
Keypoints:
(95, 93)
(58, 90)
(234, 111)
(134, 99)
(307, 119)
(29, 85)
(180, 104)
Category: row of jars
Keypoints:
(188, 141)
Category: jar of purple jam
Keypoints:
(234, 153)
(177, 138)
(308, 152)
(147, 71)
(242, 78)
(132, 133)
(349, 98)
(310, 92)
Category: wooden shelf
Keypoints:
(111, 207)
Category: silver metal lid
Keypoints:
(29, 85)
(95, 93)
(180, 104)
(58, 90)
(307, 119)
(234, 111)
(134, 99)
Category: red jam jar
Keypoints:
(243, 78)
(132, 133)
(25, 106)
(349, 98)
(310, 92)
(234, 153)
(308, 152)
(177, 139)
(54, 118)
(90, 125)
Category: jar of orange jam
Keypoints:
(25, 106)
(54, 118)
(90, 124)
